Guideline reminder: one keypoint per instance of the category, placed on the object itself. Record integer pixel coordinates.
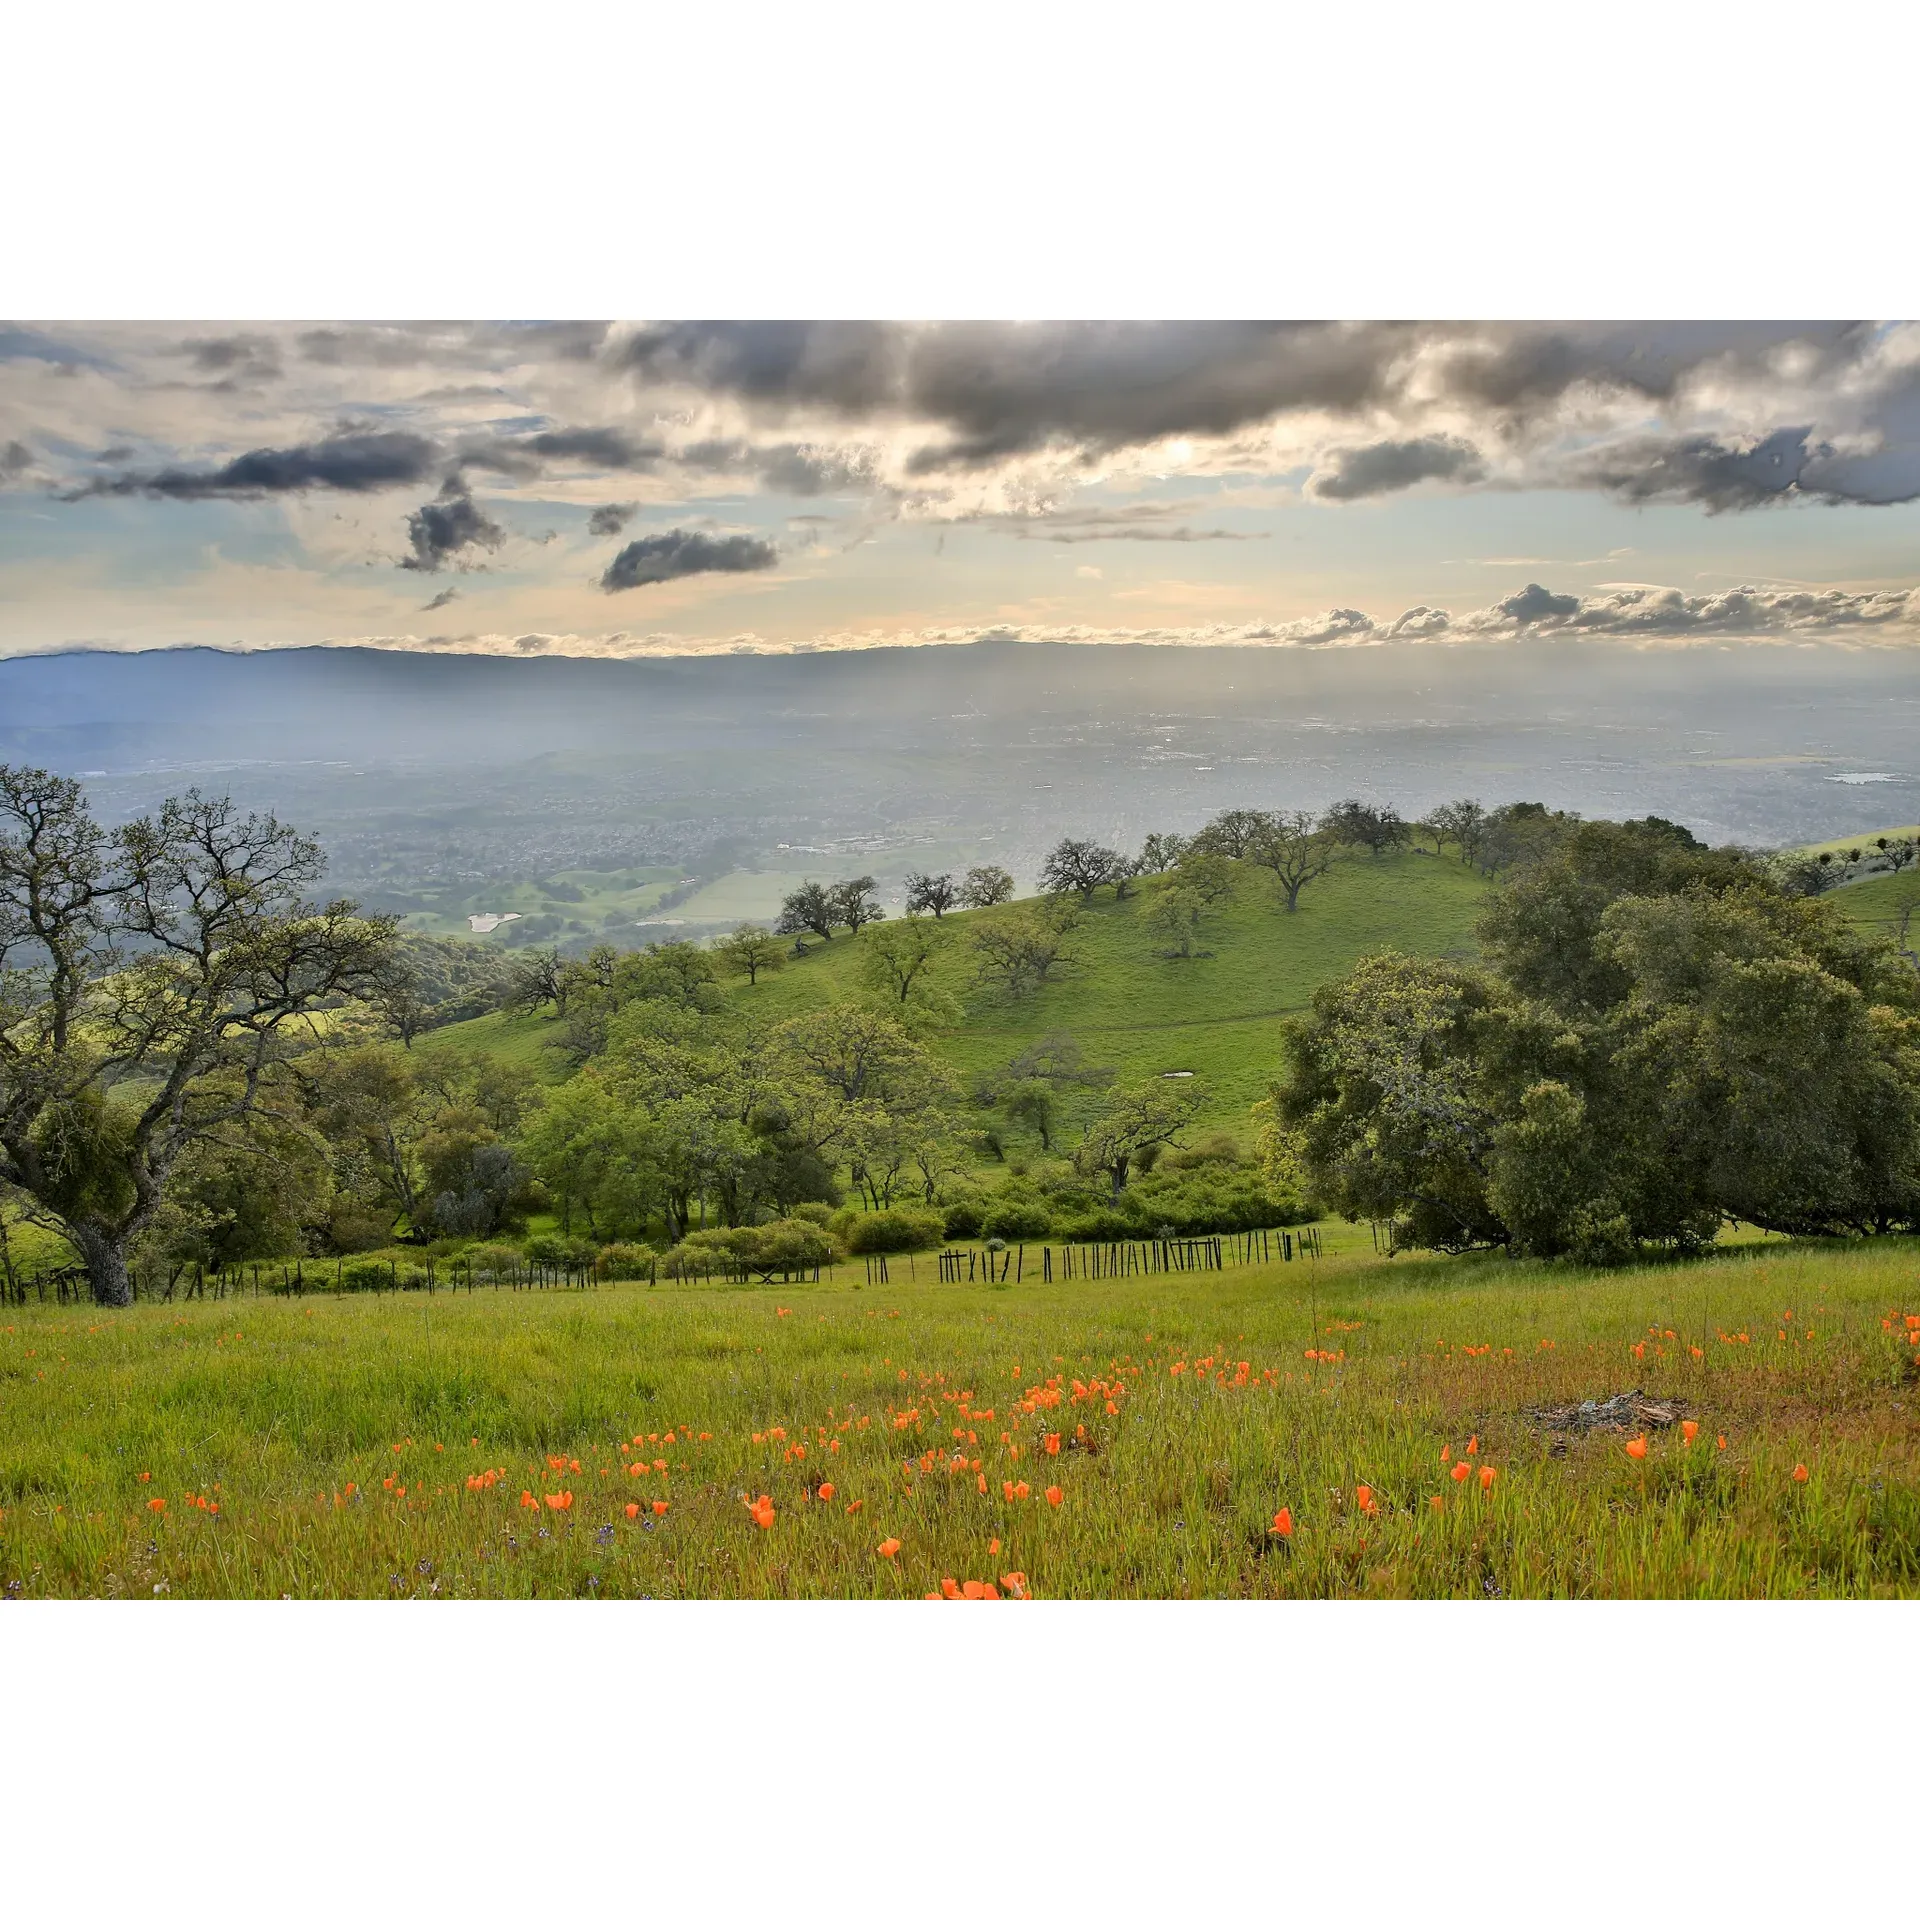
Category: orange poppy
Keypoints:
(887, 1549)
(1800, 1472)
(762, 1510)
(1053, 1443)
(951, 1588)
(1446, 1454)
(1054, 1495)
(559, 1502)
(1473, 1443)
(527, 1499)
(825, 1490)
(1689, 1430)
(1487, 1477)
(1365, 1497)
(1283, 1523)
(978, 1590)
(158, 1505)
(1637, 1447)
(1720, 1441)
(1461, 1470)
(660, 1506)
(1436, 1501)
(1016, 1584)
(633, 1510)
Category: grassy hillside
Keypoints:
(1216, 1018)
(1876, 904)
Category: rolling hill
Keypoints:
(1217, 1017)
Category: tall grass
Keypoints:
(1186, 1411)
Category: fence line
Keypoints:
(993, 1266)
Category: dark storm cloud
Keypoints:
(445, 597)
(677, 553)
(239, 359)
(1388, 466)
(1701, 468)
(15, 458)
(1001, 388)
(355, 460)
(446, 527)
(612, 518)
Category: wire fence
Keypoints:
(349, 1273)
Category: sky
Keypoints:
(636, 489)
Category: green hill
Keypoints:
(1215, 1017)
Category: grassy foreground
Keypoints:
(608, 1444)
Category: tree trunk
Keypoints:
(106, 1263)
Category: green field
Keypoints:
(390, 1445)
(1217, 1018)
(1875, 905)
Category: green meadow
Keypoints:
(1215, 1017)
(1114, 1438)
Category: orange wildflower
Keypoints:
(146, 1476)
(1016, 1584)
(1637, 1447)
(1283, 1524)
(1436, 1501)
(1800, 1472)
(660, 1507)
(1365, 1496)
(854, 1506)
(951, 1588)
(887, 1549)
(1473, 1443)
(1461, 1470)
(978, 1590)
(1487, 1477)
(993, 1548)
(559, 1502)
(1689, 1431)
(825, 1490)
(1720, 1441)
(1053, 1443)
(1054, 1495)
(762, 1510)
(527, 1499)
(158, 1505)
(1446, 1454)
(633, 1510)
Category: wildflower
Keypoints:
(633, 1510)
(993, 1549)
(660, 1507)
(1800, 1472)
(146, 1476)
(1054, 1495)
(1437, 1501)
(1053, 1444)
(854, 1506)
(1697, 1354)
(887, 1549)
(1446, 1454)
(1637, 1446)
(1283, 1524)
(1689, 1431)
(762, 1510)
(1461, 1470)
(1365, 1497)
(825, 1491)
(1487, 1477)
(1016, 1584)
(1720, 1440)
(978, 1590)
(559, 1502)
(1473, 1443)
(157, 1505)
(951, 1588)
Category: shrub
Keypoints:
(622, 1260)
(893, 1230)
(962, 1219)
(816, 1212)
(1018, 1220)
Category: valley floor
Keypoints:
(609, 1443)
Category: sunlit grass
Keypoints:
(1185, 1411)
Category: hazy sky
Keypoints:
(686, 487)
